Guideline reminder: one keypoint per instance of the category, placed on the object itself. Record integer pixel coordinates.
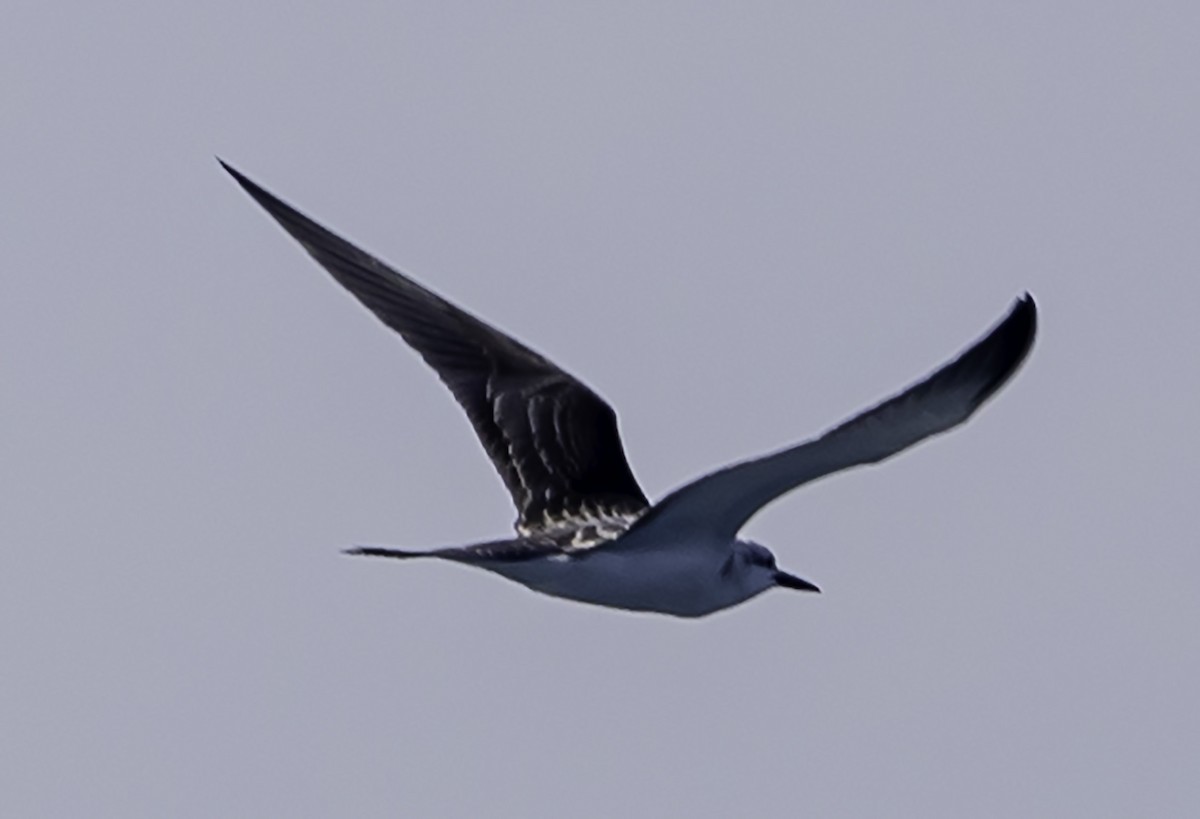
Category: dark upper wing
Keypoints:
(553, 441)
(724, 500)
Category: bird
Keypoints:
(585, 531)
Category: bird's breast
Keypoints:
(687, 582)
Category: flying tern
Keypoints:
(585, 531)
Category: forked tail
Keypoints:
(492, 551)
(376, 551)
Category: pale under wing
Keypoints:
(720, 503)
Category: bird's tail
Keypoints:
(377, 551)
(502, 551)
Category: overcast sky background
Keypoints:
(739, 226)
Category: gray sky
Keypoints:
(738, 226)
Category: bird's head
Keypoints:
(754, 566)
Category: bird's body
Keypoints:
(585, 530)
(673, 577)
(642, 570)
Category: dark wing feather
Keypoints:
(553, 441)
(723, 501)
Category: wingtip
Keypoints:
(1025, 313)
(242, 180)
(1005, 348)
(229, 169)
(1025, 303)
(288, 217)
